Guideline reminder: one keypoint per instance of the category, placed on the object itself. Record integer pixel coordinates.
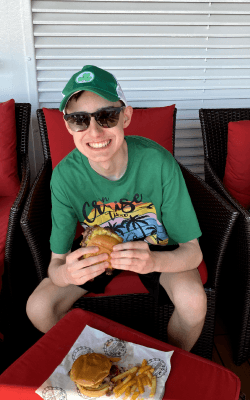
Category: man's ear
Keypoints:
(67, 127)
(128, 112)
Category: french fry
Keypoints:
(114, 359)
(149, 382)
(144, 363)
(144, 379)
(149, 374)
(133, 388)
(153, 389)
(140, 385)
(143, 369)
(127, 393)
(135, 395)
(118, 382)
(118, 387)
(131, 382)
(126, 373)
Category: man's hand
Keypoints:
(76, 271)
(134, 256)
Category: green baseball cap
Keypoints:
(96, 80)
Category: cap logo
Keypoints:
(85, 77)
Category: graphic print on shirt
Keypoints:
(132, 220)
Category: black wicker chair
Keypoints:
(19, 279)
(234, 300)
(15, 241)
(137, 311)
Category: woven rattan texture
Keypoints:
(216, 219)
(211, 211)
(36, 220)
(22, 112)
(214, 125)
(19, 278)
(235, 277)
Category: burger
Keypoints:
(92, 374)
(104, 238)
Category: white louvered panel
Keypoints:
(139, 43)
(147, 30)
(190, 53)
(159, 7)
(166, 54)
(140, 18)
(181, 75)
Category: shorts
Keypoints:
(151, 281)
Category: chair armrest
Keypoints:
(239, 247)
(216, 218)
(36, 220)
(12, 239)
(215, 182)
(19, 278)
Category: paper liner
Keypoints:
(59, 386)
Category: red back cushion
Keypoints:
(9, 180)
(237, 170)
(155, 124)
(152, 123)
(61, 142)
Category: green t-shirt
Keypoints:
(149, 202)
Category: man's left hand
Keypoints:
(134, 256)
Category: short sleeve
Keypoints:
(64, 218)
(178, 214)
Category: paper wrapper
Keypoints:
(59, 386)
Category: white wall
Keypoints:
(16, 63)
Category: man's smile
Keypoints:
(99, 145)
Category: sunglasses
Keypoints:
(106, 117)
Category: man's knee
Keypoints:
(35, 306)
(191, 303)
(39, 306)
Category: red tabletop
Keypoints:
(191, 377)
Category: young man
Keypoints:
(132, 184)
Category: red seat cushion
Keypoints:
(237, 170)
(9, 181)
(5, 206)
(128, 282)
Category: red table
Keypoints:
(191, 377)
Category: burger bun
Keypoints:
(93, 392)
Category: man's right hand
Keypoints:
(70, 269)
(77, 271)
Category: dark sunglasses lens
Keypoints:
(108, 119)
(78, 122)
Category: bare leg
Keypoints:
(187, 293)
(49, 303)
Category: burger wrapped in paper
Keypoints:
(92, 374)
(104, 238)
